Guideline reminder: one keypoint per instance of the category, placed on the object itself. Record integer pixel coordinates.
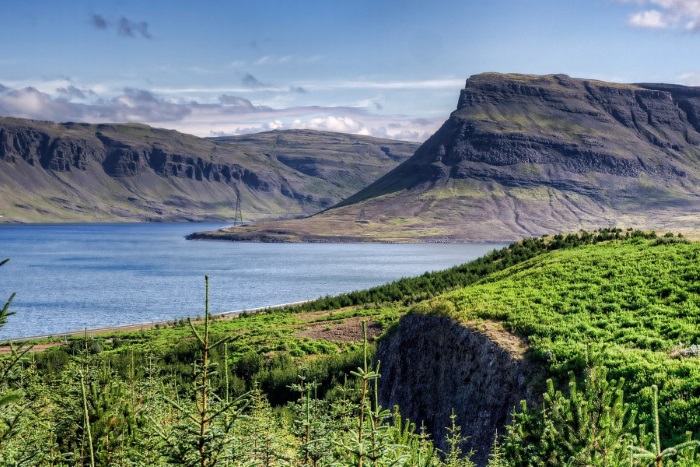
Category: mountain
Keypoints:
(116, 172)
(529, 155)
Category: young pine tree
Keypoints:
(656, 455)
(454, 439)
(13, 411)
(586, 427)
(203, 435)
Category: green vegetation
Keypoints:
(611, 317)
(412, 290)
(634, 301)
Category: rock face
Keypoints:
(432, 365)
(530, 155)
(54, 172)
(569, 127)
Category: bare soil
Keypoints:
(350, 330)
(6, 350)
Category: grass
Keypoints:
(634, 302)
(459, 188)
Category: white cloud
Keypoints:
(666, 14)
(310, 86)
(420, 84)
(231, 114)
(274, 125)
(272, 60)
(338, 124)
(370, 125)
(652, 19)
(287, 59)
(690, 78)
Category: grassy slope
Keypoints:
(268, 347)
(633, 303)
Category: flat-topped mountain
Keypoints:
(114, 172)
(529, 155)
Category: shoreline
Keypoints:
(142, 326)
(221, 235)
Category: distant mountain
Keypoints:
(530, 155)
(130, 172)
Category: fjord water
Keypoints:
(71, 276)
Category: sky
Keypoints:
(383, 68)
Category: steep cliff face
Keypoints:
(111, 172)
(530, 155)
(432, 365)
(563, 133)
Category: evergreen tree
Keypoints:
(656, 455)
(13, 410)
(7, 365)
(497, 458)
(261, 434)
(455, 440)
(111, 418)
(588, 427)
(312, 424)
(203, 434)
(368, 442)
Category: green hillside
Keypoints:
(628, 301)
(634, 302)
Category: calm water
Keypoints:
(72, 276)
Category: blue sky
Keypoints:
(383, 68)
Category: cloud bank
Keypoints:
(666, 14)
(229, 115)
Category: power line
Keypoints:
(238, 218)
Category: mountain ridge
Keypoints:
(527, 155)
(132, 172)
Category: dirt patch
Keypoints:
(514, 345)
(5, 349)
(325, 315)
(350, 330)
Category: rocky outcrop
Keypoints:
(432, 365)
(142, 170)
(567, 128)
(17, 145)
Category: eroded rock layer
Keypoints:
(82, 172)
(432, 365)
